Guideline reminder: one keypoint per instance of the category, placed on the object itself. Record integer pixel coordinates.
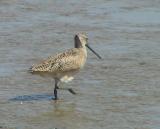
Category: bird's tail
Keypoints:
(30, 70)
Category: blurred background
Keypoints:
(119, 92)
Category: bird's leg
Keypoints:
(55, 89)
(71, 91)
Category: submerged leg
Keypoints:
(55, 89)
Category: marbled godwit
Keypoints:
(63, 66)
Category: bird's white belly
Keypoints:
(66, 78)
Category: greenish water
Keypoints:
(119, 92)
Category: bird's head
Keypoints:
(81, 41)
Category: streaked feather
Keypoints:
(63, 62)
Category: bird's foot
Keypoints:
(54, 98)
(71, 91)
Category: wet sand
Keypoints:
(119, 92)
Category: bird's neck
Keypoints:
(85, 51)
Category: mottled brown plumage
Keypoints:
(73, 59)
(63, 66)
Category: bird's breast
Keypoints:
(82, 58)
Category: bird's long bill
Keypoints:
(93, 51)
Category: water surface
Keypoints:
(119, 92)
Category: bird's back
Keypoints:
(71, 60)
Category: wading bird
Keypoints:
(64, 65)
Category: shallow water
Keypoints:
(119, 92)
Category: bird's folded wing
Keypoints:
(59, 63)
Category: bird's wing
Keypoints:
(61, 62)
